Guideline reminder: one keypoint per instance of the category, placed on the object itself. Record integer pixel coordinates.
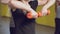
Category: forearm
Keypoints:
(49, 4)
(4, 1)
(20, 5)
(42, 2)
(17, 4)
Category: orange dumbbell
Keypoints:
(40, 14)
(30, 16)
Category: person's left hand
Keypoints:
(44, 12)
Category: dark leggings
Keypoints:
(23, 25)
(57, 24)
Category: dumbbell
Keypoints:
(29, 15)
(39, 14)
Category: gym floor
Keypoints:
(40, 29)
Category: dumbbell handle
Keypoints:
(40, 14)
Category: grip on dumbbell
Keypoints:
(48, 12)
(29, 15)
(40, 14)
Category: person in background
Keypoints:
(57, 19)
(4, 19)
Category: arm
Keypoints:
(46, 6)
(4, 1)
(42, 2)
(21, 5)
(49, 4)
(17, 4)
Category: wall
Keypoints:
(47, 20)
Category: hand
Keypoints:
(44, 12)
(34, 14)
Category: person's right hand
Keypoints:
(32, 14)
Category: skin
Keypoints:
(47, 6)
(20, 5)
(23, 4)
